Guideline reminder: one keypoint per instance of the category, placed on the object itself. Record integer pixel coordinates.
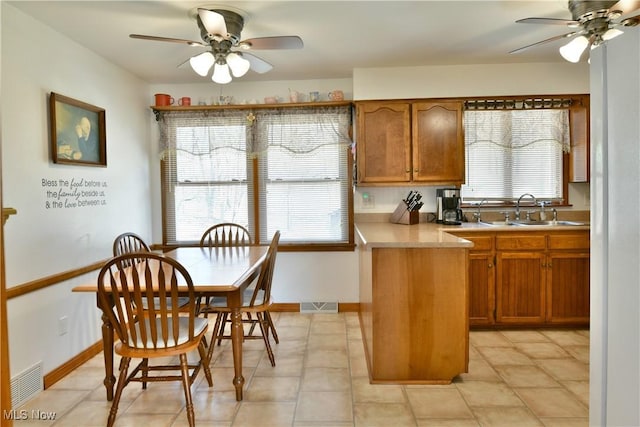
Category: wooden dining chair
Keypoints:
(158, 330)
(222, 235)
(257, 304)
(130, 242)
(226, 234)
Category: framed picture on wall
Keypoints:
(77, 132)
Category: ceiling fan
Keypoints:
(593, 23)
(220, 31)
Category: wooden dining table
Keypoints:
(217, 271)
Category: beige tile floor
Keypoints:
(516, 378)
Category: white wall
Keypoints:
(41, 241)
(615, 232)
(441, 81)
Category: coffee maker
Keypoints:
(448, 206)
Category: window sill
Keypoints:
(282, 247)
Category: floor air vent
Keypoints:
(318, 307)
(26, 384)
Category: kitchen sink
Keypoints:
(528, 223)
(551, 223)
(497, 223)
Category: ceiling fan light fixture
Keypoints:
(611, 33)
(202, 63)
(239, 66)
(573, 50)
(221, 73)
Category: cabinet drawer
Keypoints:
(569, 241)
(517, 242)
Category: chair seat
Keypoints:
(182, 302)
(217, 303)
(200, 324)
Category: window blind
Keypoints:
(304, 175)
(509, 153)
(206, 173)
(301, 160)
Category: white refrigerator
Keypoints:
(615, 237)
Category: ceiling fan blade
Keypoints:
(167, 39)
(626, 6)
(551, 21)
(258, 65)
(562, 36)
(279, 42)
(631, 21)
(213, 22)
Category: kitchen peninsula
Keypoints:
(413, 302)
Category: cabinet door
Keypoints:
(383, 147)
(579, 154)
(520, 290)
(438, 142)
(568, 287)
(481, 288)
(482, 291)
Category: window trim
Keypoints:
(581, 100)
(253, 179)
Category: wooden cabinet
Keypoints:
(438, 142)
(520, 287)
(568, 278)
(413, 313)
(383, 142)
(538, 278)
(400, 142)
(482, 295)
(579, 164)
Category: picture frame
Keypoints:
(78, 135)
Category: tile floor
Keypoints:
(516, 378)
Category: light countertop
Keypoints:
(427, 235)
(433, 235)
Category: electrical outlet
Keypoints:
(368, 201)
(63, 325)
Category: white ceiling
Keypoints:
(338, 35)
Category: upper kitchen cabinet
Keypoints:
(383, 142)
(579, 164)
(400, 142)
(438, 142)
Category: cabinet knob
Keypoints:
(416, 170)
(490, 265)
(408, 171)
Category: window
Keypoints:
(512, 152)
(270, 169)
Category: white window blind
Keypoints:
(206, 174)
(301, 168)
(304, 175)
(509, 153)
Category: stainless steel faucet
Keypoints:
(476, 214)
(535, 202)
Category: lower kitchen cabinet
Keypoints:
(520, 278)
(568, 291)
(482, 288)
(534, 278)
(520, 287)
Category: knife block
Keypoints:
(403, 216)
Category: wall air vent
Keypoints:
(26, 385)
(318, 307)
